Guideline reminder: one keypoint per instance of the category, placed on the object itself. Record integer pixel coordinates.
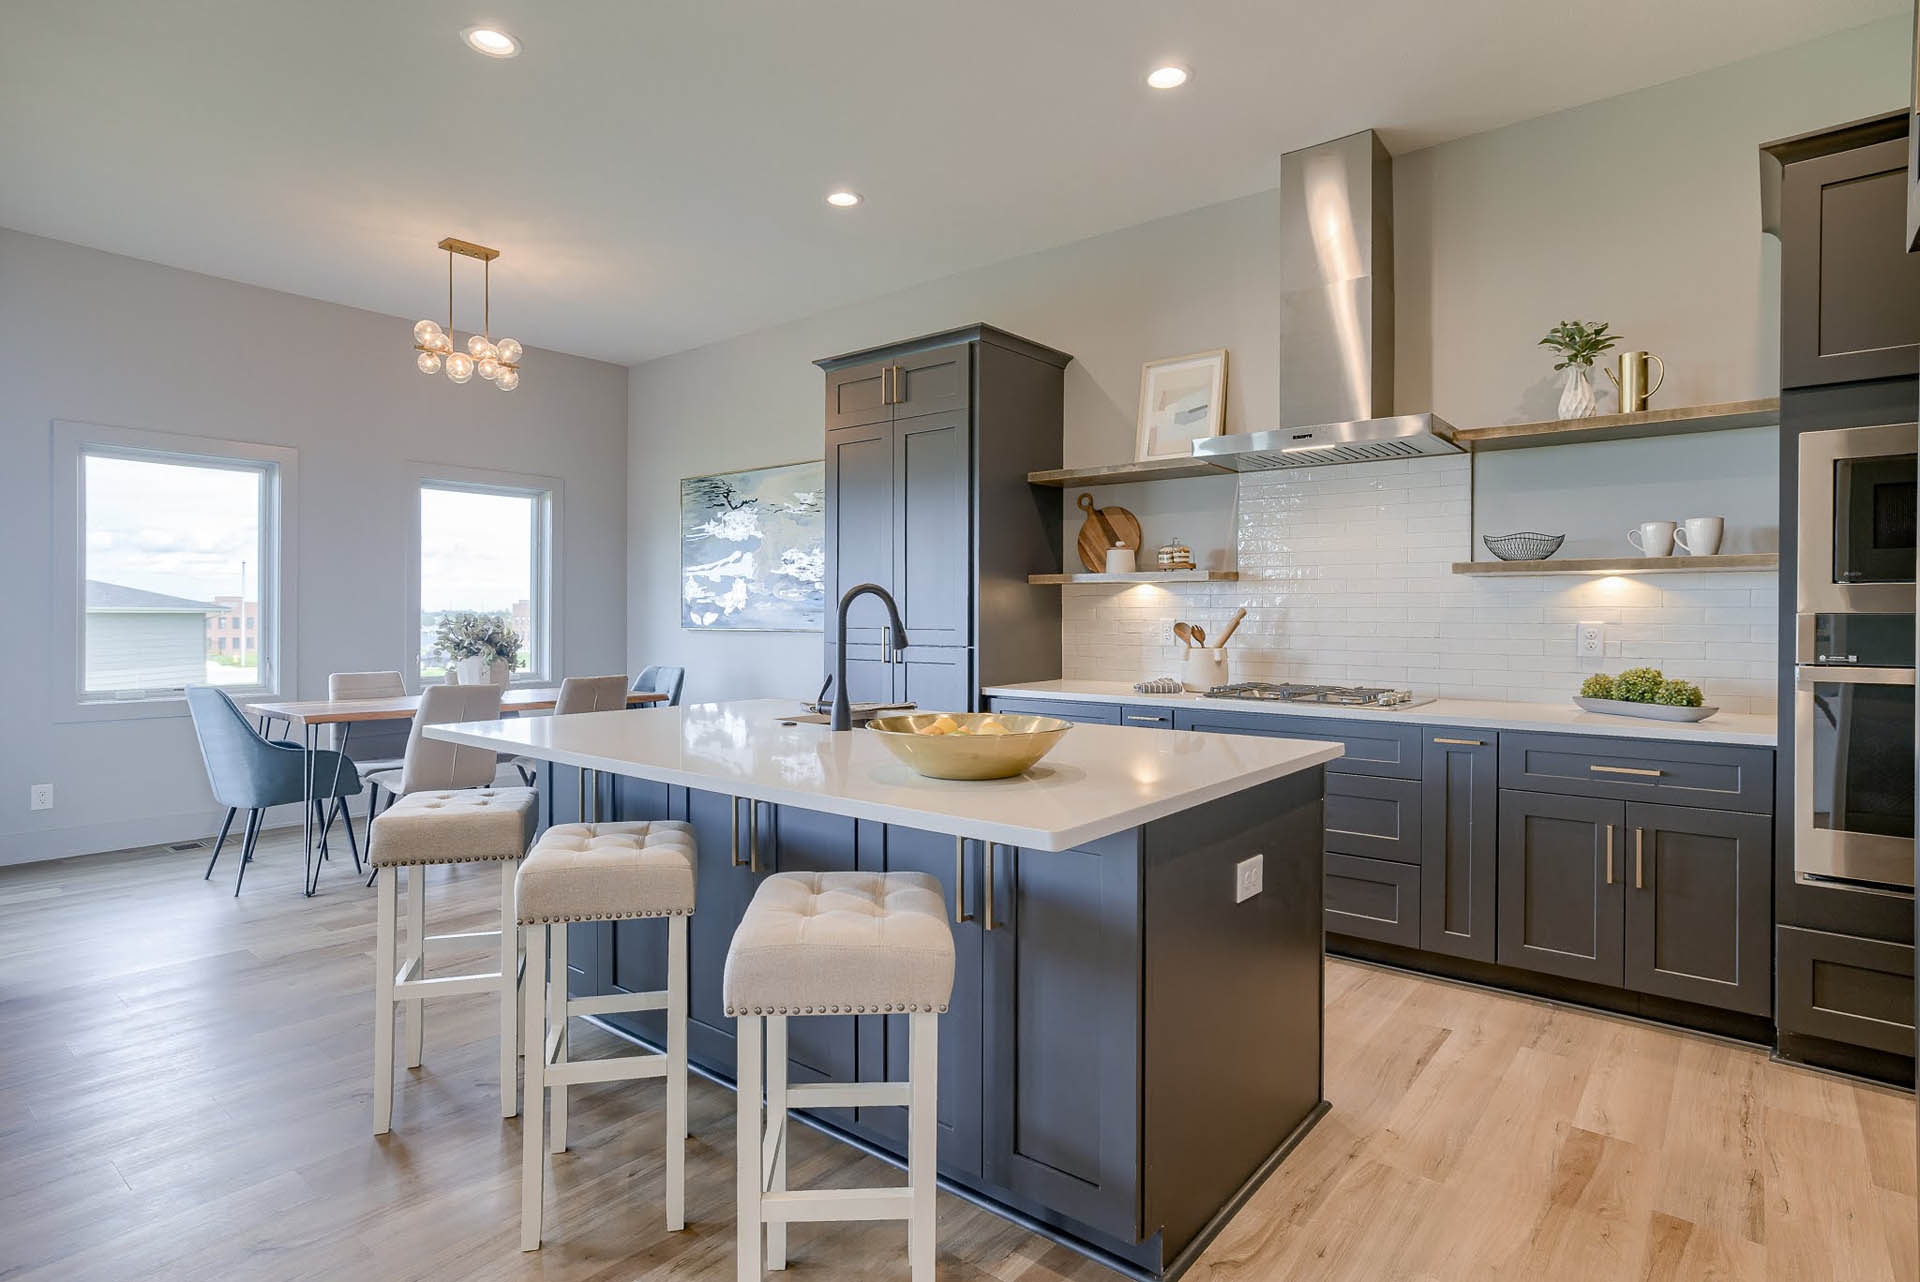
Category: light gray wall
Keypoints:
(1642, 210)
(98, 338)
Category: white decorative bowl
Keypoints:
(1648, 711)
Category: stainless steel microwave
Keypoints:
(1857, 520)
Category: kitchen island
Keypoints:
(1135, 1036)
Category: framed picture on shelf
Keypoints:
(1183, 399)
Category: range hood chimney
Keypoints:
(1336, 320)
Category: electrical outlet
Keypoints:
(1590, 640)
(1249, 878)
(40, 797)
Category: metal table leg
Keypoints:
(306, 807)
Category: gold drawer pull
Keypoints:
(1609, 854)
(1624, 770)
(1465, 743)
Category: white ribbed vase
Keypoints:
(1576, 395)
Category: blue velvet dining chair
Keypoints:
(251, 772)
(659, 680)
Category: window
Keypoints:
(162, 542)
(485, 549)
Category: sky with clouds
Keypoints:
(186, 530)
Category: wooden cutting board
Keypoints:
(1104, 527)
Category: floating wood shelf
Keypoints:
(1622, 427)
(1159, 469)
(1140, 576)
(1753, 561)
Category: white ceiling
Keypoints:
(654, 171)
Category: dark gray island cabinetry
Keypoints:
(1134, 1038)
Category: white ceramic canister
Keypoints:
(1202, 669)
(1120, 559)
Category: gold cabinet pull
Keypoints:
(987, 909)
(960, 913)
(753, 835)
(898, 370)
(734, 851)
(1609, 854)
(1465, 743)
(886, 643)
(1625, 770)
(1639, 858)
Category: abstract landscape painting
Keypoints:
(753, 553)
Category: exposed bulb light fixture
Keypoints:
(496, 362)
(843, 199)
(491, 41)
(1169, 76)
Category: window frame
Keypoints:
(544, 612)
(73, 442)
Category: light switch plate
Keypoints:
(1590, 640)
(1249, 878)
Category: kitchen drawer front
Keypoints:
(1374, 899)
(1372, 747)
(1373, 817)
(1146, 716)
(1715, 776)
(1101, 714)
(1846, 989)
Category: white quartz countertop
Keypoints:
(1485, 714)
(1097, 781)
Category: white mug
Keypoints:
(1653, 538)
(1700, 535)
(1120, 559)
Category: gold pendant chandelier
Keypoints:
(498, 363)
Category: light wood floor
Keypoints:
(184, 1093)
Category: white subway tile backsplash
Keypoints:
(1346, 575)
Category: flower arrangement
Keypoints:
(469, 634)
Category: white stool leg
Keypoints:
(923, 1033)
(533, 1117)
(557, 1020)
(747, 1158)
(777, 1133)
(416, 949)
(509, 993)
(676, 1073)
(384, 962)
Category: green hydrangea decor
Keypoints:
(1597, 686)
(1638, 685)
(1678, 694)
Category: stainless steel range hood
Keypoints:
(1336, 321)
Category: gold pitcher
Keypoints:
(1631, 381)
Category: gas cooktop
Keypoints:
(1340, 696)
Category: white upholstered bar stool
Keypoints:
(601, 872)
(415, 832)
(835, 943)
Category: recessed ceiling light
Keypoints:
(1170, 76)
(490, 41)
(843, 199)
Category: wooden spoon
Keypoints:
(1184, 631)
(1238, 615)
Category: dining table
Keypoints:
(312, 714)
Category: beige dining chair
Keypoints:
(578, 694)
(381, 743)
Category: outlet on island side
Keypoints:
(40, 797)
(1590, 640)
(1249, 878)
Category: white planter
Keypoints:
(479, 671)
(1576, 395)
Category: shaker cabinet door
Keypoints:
(860, 525)
(1560, 885)
(1460, 843)
(938, 381)
(859, 394)
(932, 573)
(1700, 905)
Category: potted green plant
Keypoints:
(1577, 344)
(483, 649)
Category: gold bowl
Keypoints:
(962, 755)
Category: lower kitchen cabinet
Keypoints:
(1847, 989)
(1373, 899)
(1561, 911)
(1459, 843)
(1668, 900)
(1096, 714)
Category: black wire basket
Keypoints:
(1527, 545)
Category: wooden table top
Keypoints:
(321, 712)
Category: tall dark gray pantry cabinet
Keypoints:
(929, 443)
